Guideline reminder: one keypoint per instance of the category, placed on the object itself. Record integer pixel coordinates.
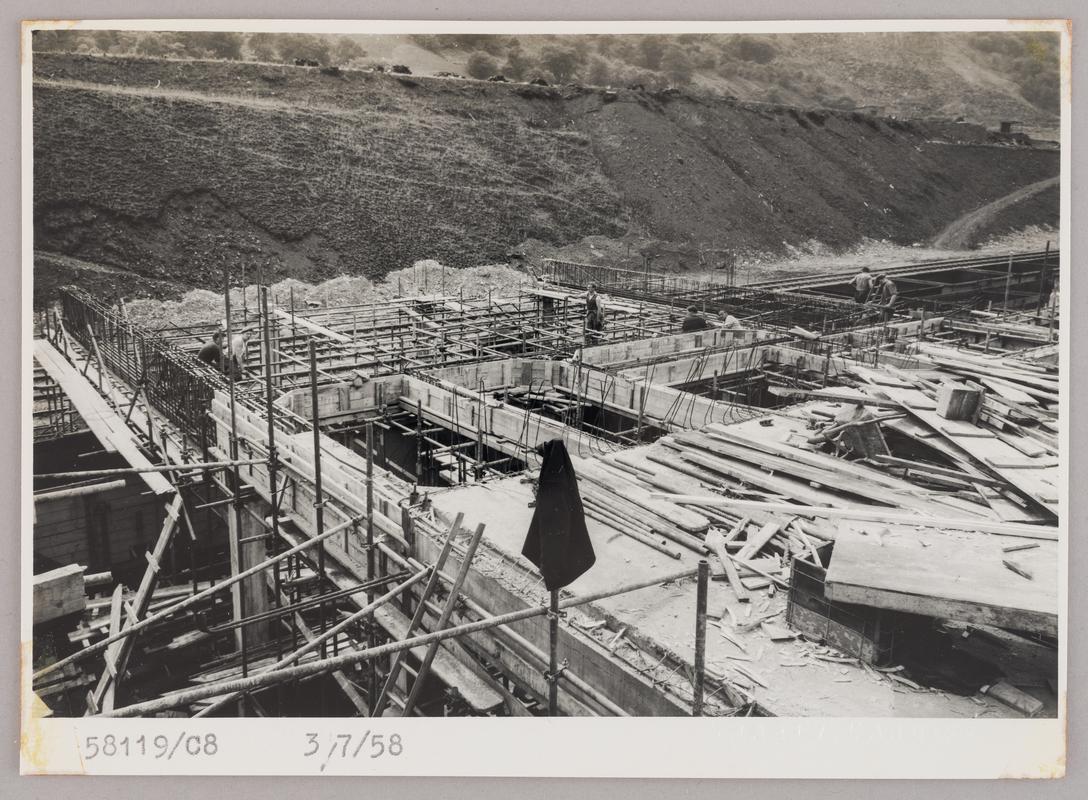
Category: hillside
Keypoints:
(983, 77)
(166, 168)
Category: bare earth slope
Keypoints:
(166, 168)
(962, 230)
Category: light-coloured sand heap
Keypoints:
(424, 277)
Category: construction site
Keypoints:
(808, 507)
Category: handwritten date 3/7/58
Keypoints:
(343, 746)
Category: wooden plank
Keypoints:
(449, 670)
(1008, 391)
(834, 473)
(756, 543)
(783, 485)
(820, 394)
(960, 428)
(302, 322)
(717, 544)
(919, 466)
(58, 593)
(116, 604)
(1028, 447)
(947, 579)
(1043, 532)
(684, 518)
(53, 363)
(108, 425)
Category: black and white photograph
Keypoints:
(483, 374)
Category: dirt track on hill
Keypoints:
(958, 235)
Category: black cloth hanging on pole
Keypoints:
(558, 542)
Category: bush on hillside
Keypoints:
(263, 46)
(346, 51)
(481, 66)
(304, 45)
(562, 62)
(518, 65)
(749, 48)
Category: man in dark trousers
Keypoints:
(886, 295)
(594, 314)
(693, 321)
(212, 352)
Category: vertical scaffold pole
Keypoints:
(1043, 273)
(372, 633)
(1008, 282)
(270, 409)
(319, 496)
(236, 483)
(553, 654)
(700, 638)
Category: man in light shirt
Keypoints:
(238, 345)
(862, 283)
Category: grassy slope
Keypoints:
(166, 168)
(910, 75)
(365, 179)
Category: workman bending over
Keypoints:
(693, 321)
(212, 352)
(729, 322)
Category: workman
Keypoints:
(212, 352)
(238, 347)
(693, 321)
(862, 283)
(887, 295)
(729, 322)
(594, 313)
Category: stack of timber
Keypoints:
(987, 509)
(1011, 438)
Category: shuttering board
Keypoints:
(961, 578)
(302, 322)
(100, 531)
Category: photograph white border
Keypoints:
(642, 747)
